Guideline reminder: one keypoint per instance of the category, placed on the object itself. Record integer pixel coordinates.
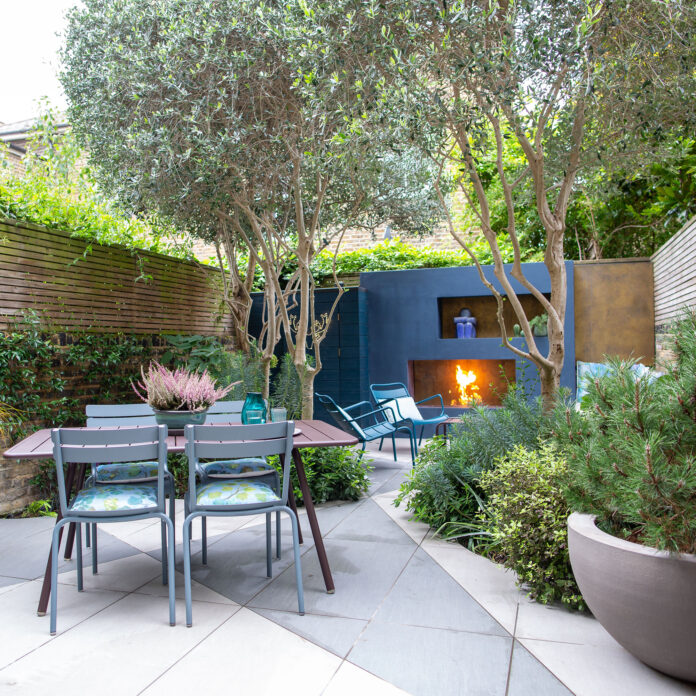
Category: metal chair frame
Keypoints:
(238, 442)
(84, 447)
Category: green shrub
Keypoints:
(333, 473)
(526, 515)
(631, 450)
(443, 489)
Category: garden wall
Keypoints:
(75, 284)
(674, 267)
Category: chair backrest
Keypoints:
(131, 444)
(109, 415)
(395, 396)
(340, 416)
(239, 442)
(112, 415)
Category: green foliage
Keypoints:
(333, 473)
(631, 450)
(58, 191)
(198, 353)
(526, 515)
(286, 389)
(393, 255)
(443, 489)
(39, 508)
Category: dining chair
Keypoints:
(229, 497)
(380, 422)
(111, 502)
(396, 397)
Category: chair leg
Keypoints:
(420, 439)
(298, 566)
(168, 527)
(381, 442)
(165, 563)
(269, 547)
(78, 550)
(172, 501)
(187, 569)
(95, 569)
(55, 543)
(87, 535)
(204, 541)
(278, 544)
(394, 445)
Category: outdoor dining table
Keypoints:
(312, 433)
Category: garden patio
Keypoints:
(411, 614)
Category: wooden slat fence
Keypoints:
(105, 288)
(674, 269)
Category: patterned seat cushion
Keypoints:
(110, 498)
(237, 468)
(235, 493)
(128, 471)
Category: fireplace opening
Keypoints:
(462, 383)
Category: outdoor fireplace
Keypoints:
(462, 383)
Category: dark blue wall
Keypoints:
(404, 321)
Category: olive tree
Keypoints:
(571, 84)
(226, 116)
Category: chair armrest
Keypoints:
(377, 410)
(434, 396)
(360, 403)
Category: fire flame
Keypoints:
(468, 391)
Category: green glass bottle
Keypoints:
(254, 409)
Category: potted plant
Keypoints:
(178, 397)
(631, 453)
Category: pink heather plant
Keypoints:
(180, 390)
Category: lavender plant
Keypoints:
(178, 390)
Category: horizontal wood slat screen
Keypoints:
(105, 288)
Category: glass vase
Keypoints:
(254, 409)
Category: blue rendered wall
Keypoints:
(404, 323)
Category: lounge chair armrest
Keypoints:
(360, 403)
(434, 396)
(377, 410)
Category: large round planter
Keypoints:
(645, 598)
(178, 419)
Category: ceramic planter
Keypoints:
(645, 598)
(176, 420)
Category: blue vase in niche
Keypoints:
(254, 409)
(465, 324)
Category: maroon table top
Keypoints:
(314, 433)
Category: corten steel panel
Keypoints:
(614, 310)
(439, 377)
(485, 309)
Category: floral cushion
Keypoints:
(237, 468)
(108, 498)
(235, 493)
(128, 471)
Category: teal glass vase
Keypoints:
(254, 409)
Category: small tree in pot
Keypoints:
(631, 452)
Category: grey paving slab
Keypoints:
(333, 633)
(24, 527)
(109, 549)
(434, 661)
(425, 595)
(393, 483)
(528, 677)
(363, 573)
(237, 565)
(370, 523)
(5, 580)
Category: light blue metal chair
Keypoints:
(376, 423)
(396, 397)
(228, 497)
(113, 502)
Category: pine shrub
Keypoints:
(631, 450)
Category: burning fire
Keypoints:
(468, 391)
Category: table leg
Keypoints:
(313, 523)
(293, 507)
(71, 527)
(46, 587)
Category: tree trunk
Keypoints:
(266, 363)
(307, 389)
(550, 382)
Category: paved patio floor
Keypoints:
(411, 614)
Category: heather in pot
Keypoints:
(178, 390)
(631, 451)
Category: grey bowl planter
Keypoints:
(176, 420)
(645, 598)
